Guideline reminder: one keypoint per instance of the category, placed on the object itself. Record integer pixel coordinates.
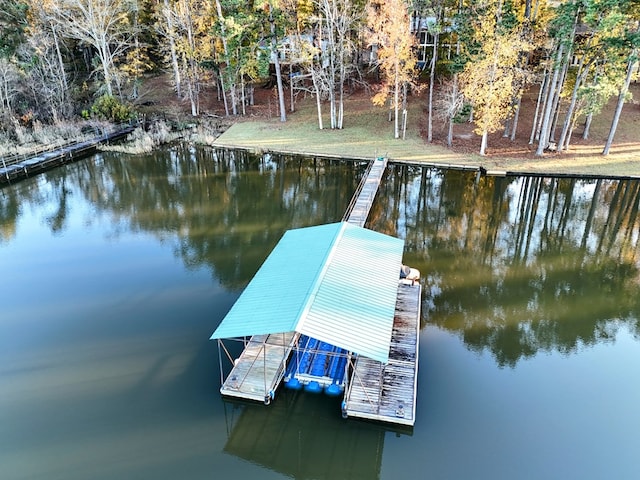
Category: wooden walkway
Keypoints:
(387, 393)
(260, 368)
(358, 210)
(14, 168)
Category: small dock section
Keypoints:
(260, 368)
(358, 209)
(387, 393)
(16, 167)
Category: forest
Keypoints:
(62, 61)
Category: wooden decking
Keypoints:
(260, 368)
(16, 167)
(388, 392)
(358, 210)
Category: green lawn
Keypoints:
(368, 133)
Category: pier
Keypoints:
(358, 210)
(387, 392)
(14, 168)
(352, 320)
(259, 369)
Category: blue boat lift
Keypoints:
(317, 367)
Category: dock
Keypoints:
(358, 210)
(353, 337)
(17, 167)
(387, 392)
(259, 369)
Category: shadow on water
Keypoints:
(518, 265)
(303, 436)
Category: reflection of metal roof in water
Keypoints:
(336, 283)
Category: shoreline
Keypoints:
(470, 166)
(260, 136)
(367, 133)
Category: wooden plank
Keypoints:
(362, 205)
(388, 392)
(260, 368)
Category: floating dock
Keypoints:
(352, 316)
(387, 392)
(260, 367)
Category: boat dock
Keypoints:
(356, 337)
(387, 392)
(259, 369)
(17, 167)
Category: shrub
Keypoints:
(110, 108)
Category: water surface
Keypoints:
(116, 269)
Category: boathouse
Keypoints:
(331, 309)
(335, 283)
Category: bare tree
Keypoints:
(9, 77)
(338, 18)
(101, 24)
(166, 29)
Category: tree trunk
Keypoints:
(516, 117)
(621, 98)
(316, 86)
(587, 126)
(483, 144)
(535, 129)
(432, 78)
(396, 100)
(569, 116)
(172, 48)
(276, 63)
(341, 87)
(543, 142)
(223, 37)
(404, 110)
(451, 118)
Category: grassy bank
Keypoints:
(367, 133)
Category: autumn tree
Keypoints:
(390, 33)
(562, 31)
(491, 78)
(193, 21)
(137, 60)
(630, 49)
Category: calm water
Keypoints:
(115, 271)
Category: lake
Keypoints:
(116, 270)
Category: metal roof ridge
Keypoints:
(302, 317)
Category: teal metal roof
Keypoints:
(335, 282)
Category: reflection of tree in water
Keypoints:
(9, 213)
(519, 265)
(226, 210)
